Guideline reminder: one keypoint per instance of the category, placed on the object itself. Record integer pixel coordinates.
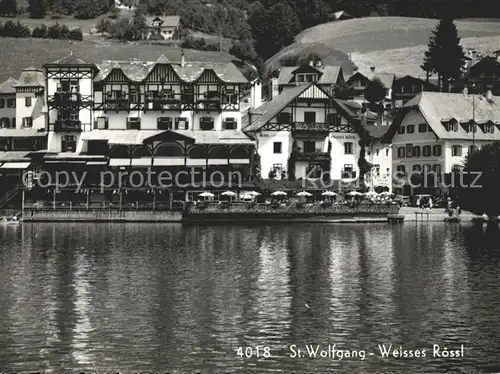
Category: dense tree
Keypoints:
(375, 93)
(481, 196)
(243, 50)
(8, 7)
(36, 8)
(139, 21)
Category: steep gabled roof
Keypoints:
(71, 59)
(166, 21)
(329, 74)
(31, 77)
(439, 107)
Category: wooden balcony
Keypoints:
(64, 98)
(312, 156)
(319, 129)
(117, 104)
(213, 103)
(163, 103)
(67, 125)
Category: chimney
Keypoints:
(256, 94)
(489, 95)
(273, 88)
(183, 59)
(319, 63)
(372, 68)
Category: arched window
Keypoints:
(218, 152)
(197, 151)
(119, 151)
(169, 150)
(239, 152)
(141, 151)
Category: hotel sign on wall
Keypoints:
(341, 137)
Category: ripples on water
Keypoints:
(130, 298)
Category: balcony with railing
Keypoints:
(208, 101)
(310, 128)
(117, 103)
(65, 98)
(67, 125)
(316, 156)
(163, 102)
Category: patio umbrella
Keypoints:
(228, 193)
(253, 193)
(355, 193)
(304, 194)
(371, 193)
(278, 193)
(206, 194)
(328, 193)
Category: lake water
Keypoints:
(169, 298)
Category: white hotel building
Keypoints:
(303, 133)
(435, 131)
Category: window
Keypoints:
(348, 148)
(14, 122)
(436, 150)
(348, 172)
(417, 168)
(410, 129)
(401, 152)
(422, 127)
(276, 147)
(472, 148)
(309, 117)
(5, 123)
(489, 128)
(284, 118)
(401, 169)
(377, 152)
(230, 124)
(426, 151)
(309, 147)
(387, 152)
(470, 127)
(409, 150)
(134, 95)
(427, 168)
(164, 123)
(68, 143)
(11, 103)
(456, 150)
(27, 122)
(416, 151)
(27, 101)
(436, 168)
(333, 119)
(452, 126)
(2, 103)
(401, 130)
(133, 123)
(206, 123)
(181, 123)
(313, 170)
(101, 123)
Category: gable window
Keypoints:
(309, 146)
(410, 129)
(309, 117)
(348, 148)
(416, 151)
(206, 123)
(426, 151)
(401, 152)
(283, 118)
(68, 143)
(133, 123)
(401, 130)
(422, 127)
(164, 123)
(11, 103)
(230, 123)
(181, 123)
(101, 123)
(456, 150)
(277, 147)
(27, 101)
(436, 150)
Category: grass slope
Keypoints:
(18, 54)
(376, 35)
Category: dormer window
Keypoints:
(489, 128)
(306, 78)
(451, 125)
(470, 127)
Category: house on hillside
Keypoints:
(486, 75)
(304, 133)
(339, 16)
(325, 76)
(407, 87)
(360, 79)
(433, 133)
(162, 27)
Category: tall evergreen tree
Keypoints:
(8, 7)
(429, 64)
(36, 8)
